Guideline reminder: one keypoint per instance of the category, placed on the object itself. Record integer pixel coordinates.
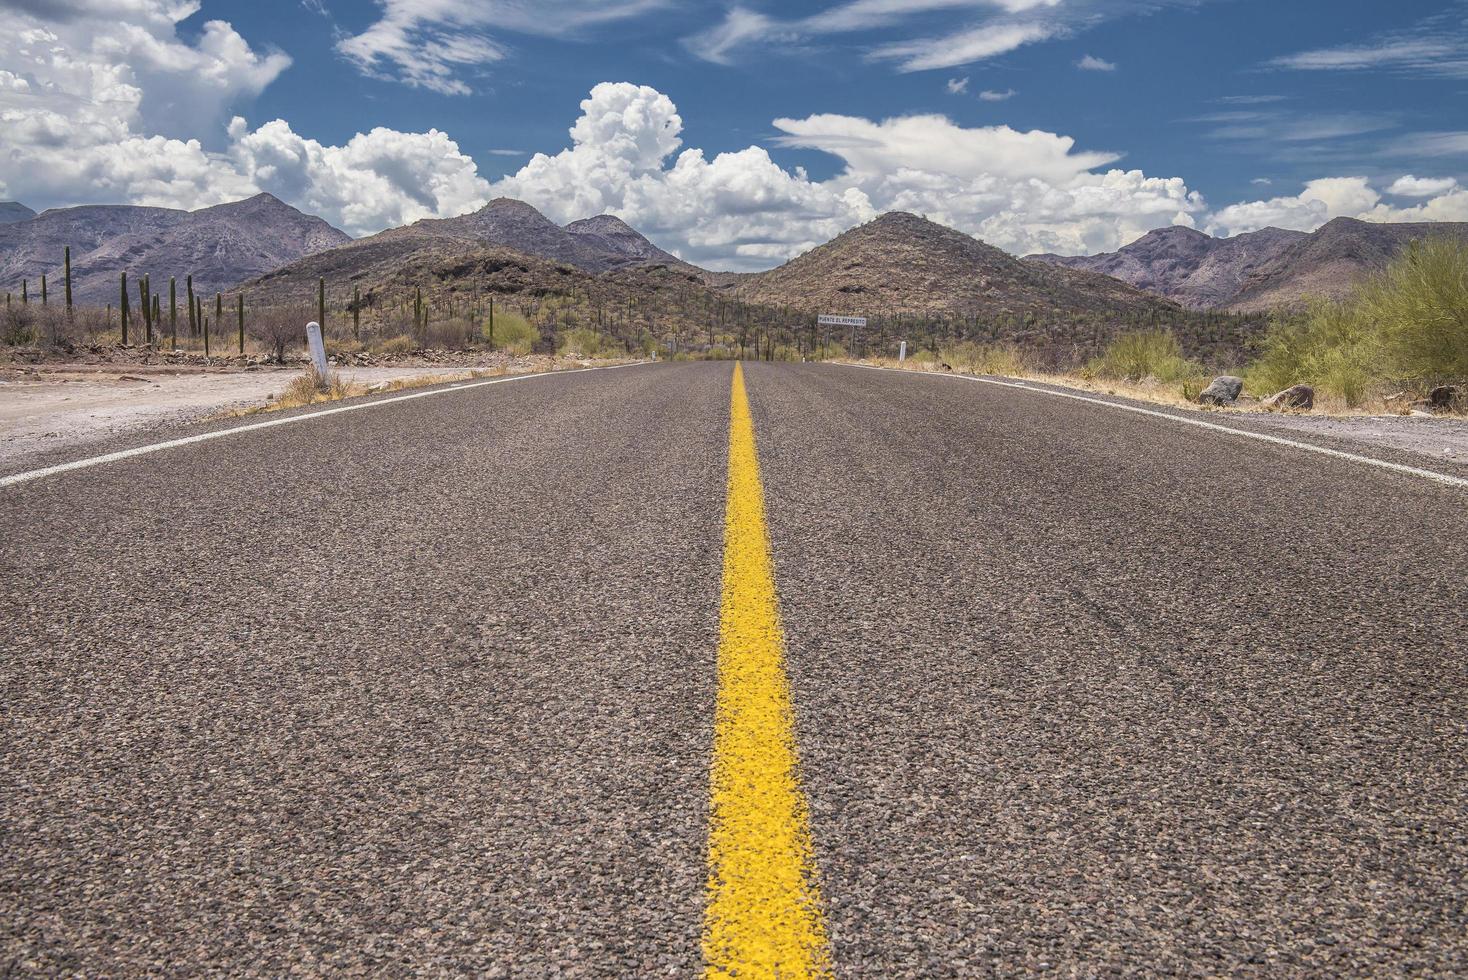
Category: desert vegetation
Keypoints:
(1406, 329)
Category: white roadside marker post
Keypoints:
(318, 351)
(902, 352)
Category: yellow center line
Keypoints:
(763, 915)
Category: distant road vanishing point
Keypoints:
(757, 670)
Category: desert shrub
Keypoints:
(1332, 346)
(337, 346)
(587, 343)
(512, 333)
(449, 334)
(1419, 310)
(1140, 354)
(401, 344)
(17, 326)
(999, 359)
(310, 387)
(278, 330)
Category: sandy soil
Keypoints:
(50, 408)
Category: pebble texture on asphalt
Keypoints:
(430, 689)
(427, 688)
(1085, 692)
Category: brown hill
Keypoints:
(592, 244)
(901, 263)
(1196, 270)
(1331, 262)
(218, 246)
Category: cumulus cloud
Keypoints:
(956, 86)
(88, 96)
(1410, 186)
(1319, 202)
(1349, 197)
(993, 95)
(1025, 191)
(1092, 63)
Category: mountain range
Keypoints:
(218, 246)
(902, 263)
(896, 264)
(1259, 271)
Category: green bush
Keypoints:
(1332, 346)
(1419, 308)
(512, 333)
(1140, 354)
(587, 343)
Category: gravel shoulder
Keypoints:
(59, 410)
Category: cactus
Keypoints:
(240, 308)
(147, 305)
(68, 278)
(356, 313)
(25, 297)
(321, 303)
(173, 312)
(43, 289)
(193, 317)
(123, 306)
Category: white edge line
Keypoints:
(1443, 478)
(81, 464)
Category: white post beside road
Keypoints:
(317, 349)
(902, 352)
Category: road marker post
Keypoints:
(902, 352)
(318, 352)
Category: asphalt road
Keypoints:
(430, 688)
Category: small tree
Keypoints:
(279, 329)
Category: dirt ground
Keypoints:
(44, 408)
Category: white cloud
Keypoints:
(1092, 63)
(993, 95)
(1261, 182)
(1349, 197)
(963, 48)
(1003, 26)
(956, 86)
(379, 178)
(432, 44)
(1025, 191)
(1434, 46)
(1410, 186)
(88, 125)
(1320, 201)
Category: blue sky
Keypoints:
(1224, 114)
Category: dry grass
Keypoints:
(1173, 394)
(309, 388)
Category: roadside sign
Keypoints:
(841, 321)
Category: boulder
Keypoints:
(1444, 396)
(1296, 396)
(1225, 390)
